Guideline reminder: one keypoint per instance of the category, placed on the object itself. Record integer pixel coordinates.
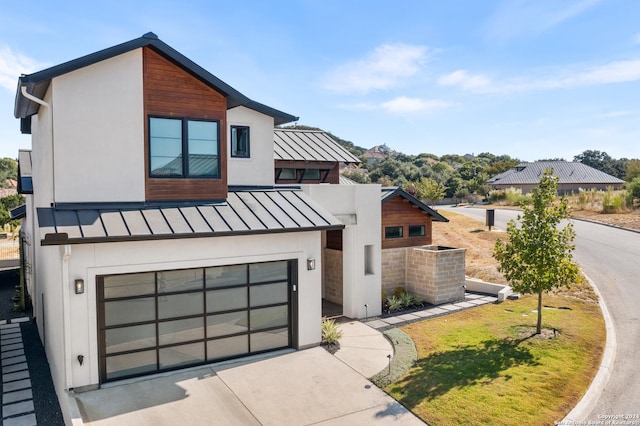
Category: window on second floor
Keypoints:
(240, 141)
(287, 174)
(311, 174)
(183, 148)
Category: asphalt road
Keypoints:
(611, 258)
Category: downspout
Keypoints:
(66, 316)
(23, 90)
(35, 299)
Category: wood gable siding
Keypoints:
(400, 212)
(329, 171)
(170, 91)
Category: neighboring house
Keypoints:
(573, 176)
(308, 156)
(377, 153)
(155, 237)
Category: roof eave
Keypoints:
(38, 83)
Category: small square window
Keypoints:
(416, 231)
(287, 174)
(392, 232)
(240, 141)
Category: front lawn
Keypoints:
(483, 366)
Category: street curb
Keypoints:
(591, 396)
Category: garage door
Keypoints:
(159, 321)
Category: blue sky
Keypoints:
(532, 79)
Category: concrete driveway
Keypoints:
(297, 388)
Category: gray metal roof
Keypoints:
(568, 172)
(244, 212)
(389, 192)
(38, 83)
(309, 145)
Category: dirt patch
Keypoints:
(525, 333)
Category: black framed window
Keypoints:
(184, 148)
(288, 174)
(311, 174)
(240, 142)
(416, 231)
(392, 232)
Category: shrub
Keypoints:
(394, 303)
(330, 331)
(399, 291)
(614, 202)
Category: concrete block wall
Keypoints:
(393, 269)
(435, 274)
(333, 275)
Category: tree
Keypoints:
(633, 170)
(8, 170)
(429, 189)
(538, 256)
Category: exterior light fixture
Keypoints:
(79, 286)
(311, 264)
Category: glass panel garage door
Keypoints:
(157, 321)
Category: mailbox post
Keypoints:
(490, 220)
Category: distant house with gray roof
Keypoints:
(573, 177)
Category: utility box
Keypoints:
(490, 220)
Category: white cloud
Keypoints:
(12, 65)
(567, 78)
(403, 105)
(464, 80)
(514, 18)
(386, 67)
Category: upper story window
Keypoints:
(184, 148)
(311, 174)
(240, 141)
(288, 174)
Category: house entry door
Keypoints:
(164, 320)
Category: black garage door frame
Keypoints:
(157, 321)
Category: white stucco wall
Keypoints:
(358, 206)
(88, 261)
(99, 132)
(259, 168)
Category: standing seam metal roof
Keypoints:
(38, 82)
(389, 192)
(309, 145)
(568, 172)
(244, 212)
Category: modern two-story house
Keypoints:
(155, 236)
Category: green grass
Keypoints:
(483, 366)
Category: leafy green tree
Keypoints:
(8, 170)
(633, 188)
(429, 189)
(358, 177)
(538, 256)
(6, 204)
(633, 170)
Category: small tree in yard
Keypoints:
(538, 256)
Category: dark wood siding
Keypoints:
(172, 92)
(329, 171)
(399, 212)
(334, 240)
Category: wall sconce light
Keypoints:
(80, 359)
(79, 286)
(311, 264)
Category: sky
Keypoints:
(532, 79)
